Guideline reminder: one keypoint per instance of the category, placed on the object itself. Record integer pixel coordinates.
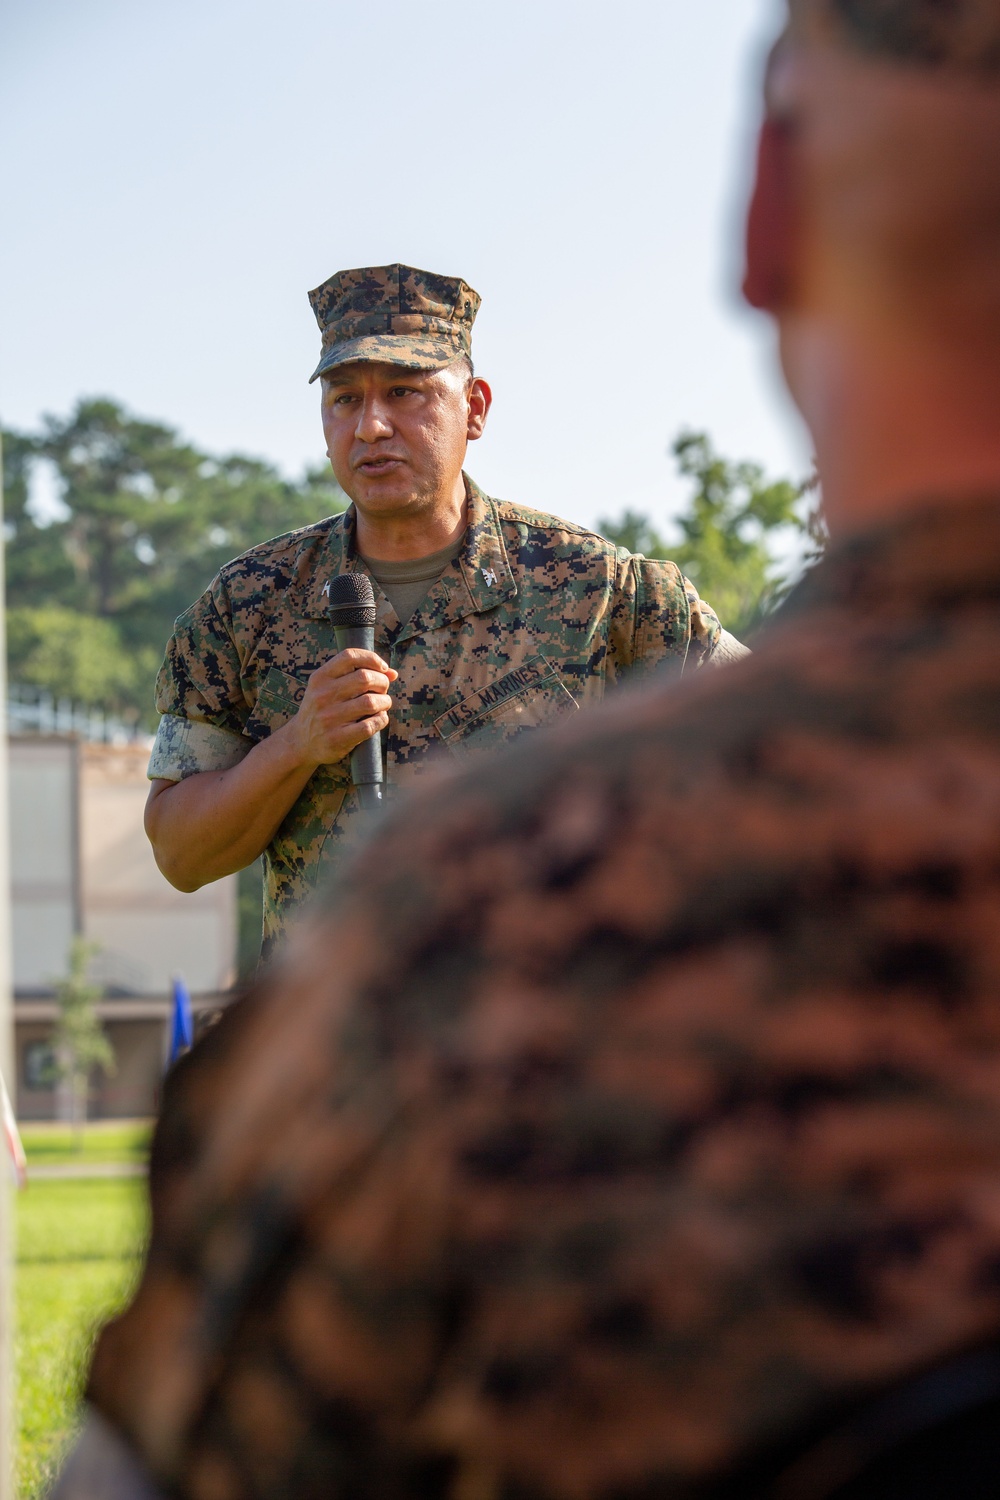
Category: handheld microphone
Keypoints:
(352, 610)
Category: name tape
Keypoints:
(536, 669)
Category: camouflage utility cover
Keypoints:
(533, 619)
(395, 315)
(663, 1118)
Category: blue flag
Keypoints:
(182, 1026)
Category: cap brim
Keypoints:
(391, 349)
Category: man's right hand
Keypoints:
(346, 701)
(215, 822)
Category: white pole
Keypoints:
(6, 1060)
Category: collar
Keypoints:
(311, 599)
(479, 578)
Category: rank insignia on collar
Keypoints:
(324, 592)
(489, 577)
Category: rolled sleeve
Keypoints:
(706, 630)
(186, 747)
(650, 617)
(667, 618)
(727, 649)
(199, 694)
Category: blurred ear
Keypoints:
(770, 221)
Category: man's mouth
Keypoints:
(378, 465)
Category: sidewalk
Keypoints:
(48, 1171)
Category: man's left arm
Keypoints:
(710, 644)
(659, 617)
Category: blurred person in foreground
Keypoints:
(635, 1130)
(492, 618)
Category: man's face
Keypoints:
(397, 438)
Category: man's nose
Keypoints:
(373, 420)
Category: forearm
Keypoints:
(217, 822)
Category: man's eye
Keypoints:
(401, 390)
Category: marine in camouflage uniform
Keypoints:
(650, 1111)
(534, 617)
(641, 1103)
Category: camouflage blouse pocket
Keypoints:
(277, 702)
(299, 850)
(526, 697)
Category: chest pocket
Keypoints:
(277, 702)
(306, 827)
(526, 697)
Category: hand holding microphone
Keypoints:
(346, 702)
(352, 610)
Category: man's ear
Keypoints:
(771, 221)
(480, 401)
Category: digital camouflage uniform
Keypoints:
(534, 619)
(642, 1100)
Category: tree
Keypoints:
(249, 916)
(79, 1042)
(72, 655)
(146, 520)
(733, 514)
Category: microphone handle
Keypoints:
(366, 758)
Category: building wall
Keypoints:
(35, 1100)
(81, 864)
(44, 859)
(139, 1032)
(134, 1087)
(145, 928)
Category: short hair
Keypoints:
(960, 34)
(465, 361)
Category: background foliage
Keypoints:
(143, 523)
(735, 529)
(78, 1038)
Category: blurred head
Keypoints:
(397, 437)
(874, 232)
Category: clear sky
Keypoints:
(178, 174)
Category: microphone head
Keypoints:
(352, 600)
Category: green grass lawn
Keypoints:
(78, 1248)
(105, 1141)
